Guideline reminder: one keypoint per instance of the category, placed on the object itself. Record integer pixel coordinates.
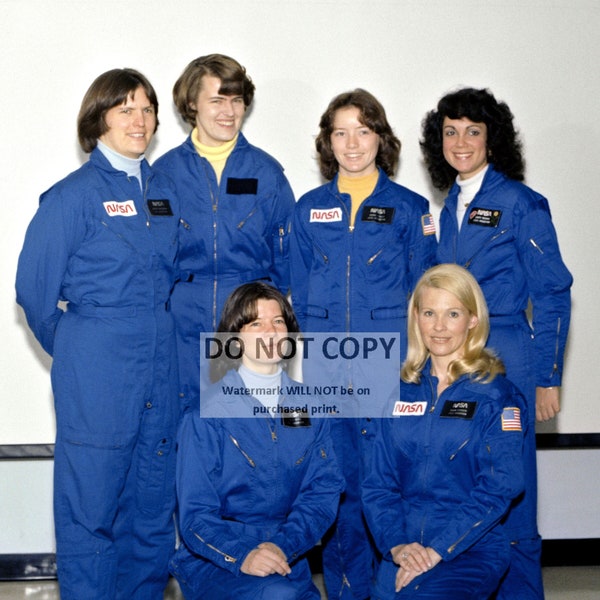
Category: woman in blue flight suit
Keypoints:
(236, 205)
(502, 231)
(358, 246)
(448, 461)
(257, 486)
(104, 240)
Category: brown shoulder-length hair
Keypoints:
(234, 82)
(240, 309)
(372, 115)
(478, 361)
(107, 91)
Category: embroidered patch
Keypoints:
(318, 215)
(120, 209)
(242, 186)
(378, 214)
(409, 409)
(458, 409)
(428, 224)
(484, 217)
(160, 208)
(511, 419)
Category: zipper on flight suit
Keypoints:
(214, 200)
(228, 558)
(558, 324)
(487, 243)
(248, 216)
(556, 349)
(244, 454)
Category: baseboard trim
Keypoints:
(570, 553)
(555, 553)
(24, 567)
(567, 441)
(545, 441)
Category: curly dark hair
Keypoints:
(240, 309)
(372, 114)
(503, 143)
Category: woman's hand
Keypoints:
(413, 560)
(266, 559)
(547, 403)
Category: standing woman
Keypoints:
(104, 240)
(236, 205)
(501, 230)
(359, 244)
(448, 461)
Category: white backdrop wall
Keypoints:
(540, 56)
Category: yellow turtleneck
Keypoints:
(359, 188)
(216, 155)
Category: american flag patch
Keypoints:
(511, 419)
(428, 224)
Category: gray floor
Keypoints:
(560, 583)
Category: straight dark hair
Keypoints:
(107, 91)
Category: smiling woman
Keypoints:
(257, 480)
(104, 240)
(236, 205)
(447, 466)
(465, 146)
(130, 125)
(359, 244)
(502, 231)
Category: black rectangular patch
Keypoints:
(242, 186)
(298, 418)
(378, 214)
(485, 217)
(459, 409)
(160, 208)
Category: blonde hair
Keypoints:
(477, 360)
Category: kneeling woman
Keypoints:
(255, 493)
(444, 475)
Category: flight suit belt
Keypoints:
(88, 310)
(190, 276)
(508, 319)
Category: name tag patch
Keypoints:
(409, 409)
(458, 410)
(237, 186)
(120, 209)
(376, 214)
(330, 215)
(160, 208)
(298, 418)
(484, 217)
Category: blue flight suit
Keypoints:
(109, 250)
(348, 280)
(244, 480)
(233, 232)
(508, 242)
(444, 471)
